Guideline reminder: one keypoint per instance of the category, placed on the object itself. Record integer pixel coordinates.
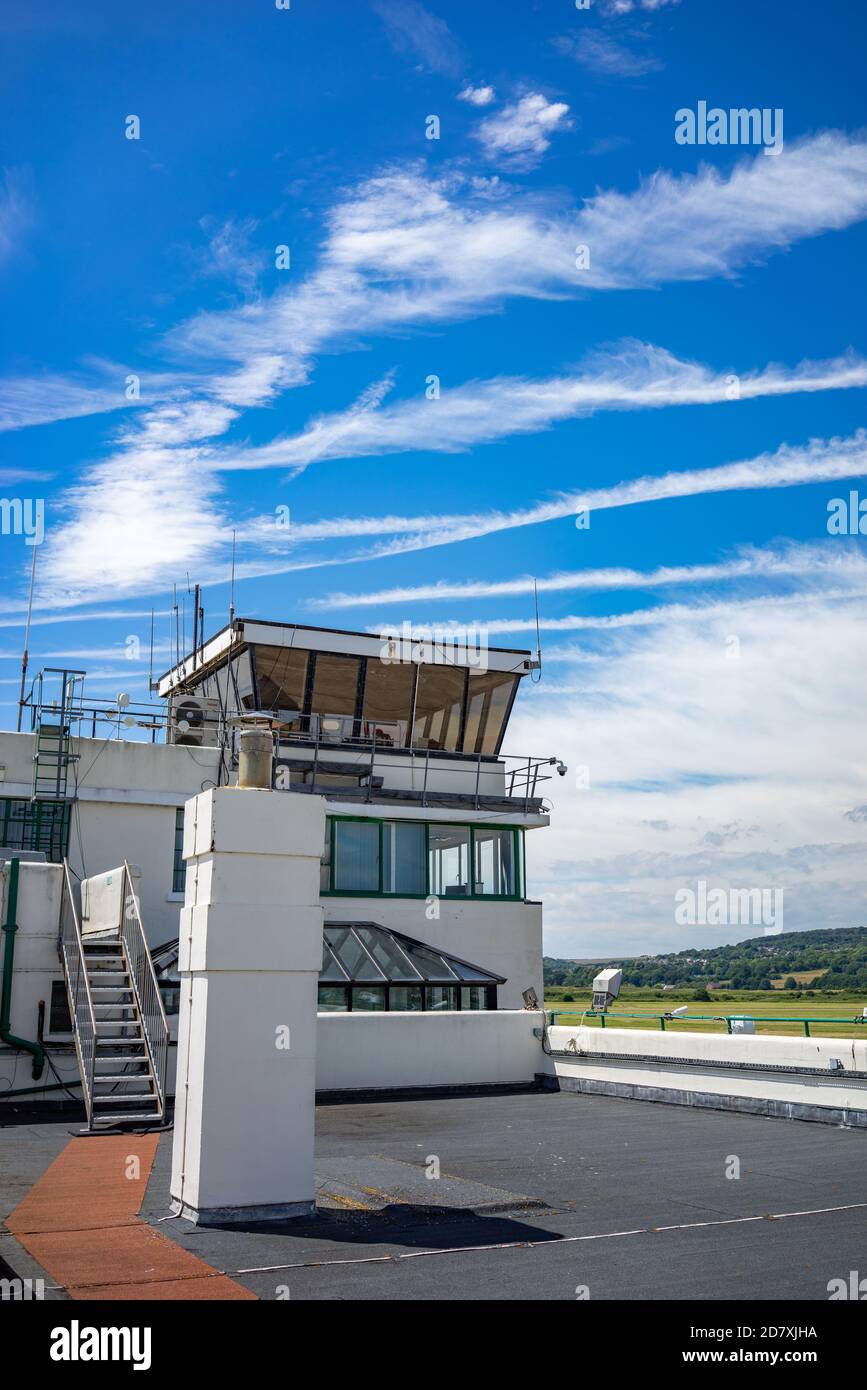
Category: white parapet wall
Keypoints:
(794, 1078)
(413, 1050)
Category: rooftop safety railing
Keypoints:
(372, 747)
(662, 1020)
(57, 694)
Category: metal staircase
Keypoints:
(119, 1024)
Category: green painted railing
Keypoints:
(727, 1019)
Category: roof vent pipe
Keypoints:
(255, 758)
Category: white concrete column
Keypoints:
(249, 962)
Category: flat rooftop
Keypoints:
(540, 1194)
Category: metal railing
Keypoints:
(373, 746)
(56, 696)
(81, 1012)
(154, 1024)
(727, 1019)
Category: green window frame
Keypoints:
(179, 864)
(518, 858)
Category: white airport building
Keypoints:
(316, 833)
(423, 883)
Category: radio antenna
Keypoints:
(232, 590)
(24, 658)
(151, 675)
(537, 664)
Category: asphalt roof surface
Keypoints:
(591, 1181)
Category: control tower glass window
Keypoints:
(388, 701)
(356, 856)
(335, 691)
(449, 850)
(281, 673)
(488, 699)
(438, 704)
(494, 862)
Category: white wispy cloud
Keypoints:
(629, 376)
(16, 211)
(477, 96)
(619, 7)
(601, 53)
(230, 255)
(794, 561)
(406, 250)
(415, 30)
(789, 466)
(521, 133)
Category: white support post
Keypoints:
(250, 956)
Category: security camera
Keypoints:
(562, 769)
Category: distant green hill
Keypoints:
(839, 952)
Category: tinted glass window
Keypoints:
(371, 999)
(388, 701)
(281, 673)
(449, 860)
(495, 862)
(488, 697)
(404, 847)
(405, 999)
(335, 691)
(438, 705)
(333, 999)
(356, 856)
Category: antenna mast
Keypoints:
(24, 658)
(537, 664)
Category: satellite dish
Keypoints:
(122, 700)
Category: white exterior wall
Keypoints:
(366, 1051)
(126, 810)
(632, 1053)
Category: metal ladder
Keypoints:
(52, 725)
(118, 1021)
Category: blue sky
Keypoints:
(699, 384)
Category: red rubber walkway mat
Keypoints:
(80, 1222)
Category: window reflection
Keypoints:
(388, 702)
(438, 704)
(441, 997)
(488, 697)
(403, 856)
(368, 998)
(356, 856)
(405, 998)
(449, 860)
(494, 862)
(335, 692)
(281, 673)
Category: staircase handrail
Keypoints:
(155, 1027)
(71, 947)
